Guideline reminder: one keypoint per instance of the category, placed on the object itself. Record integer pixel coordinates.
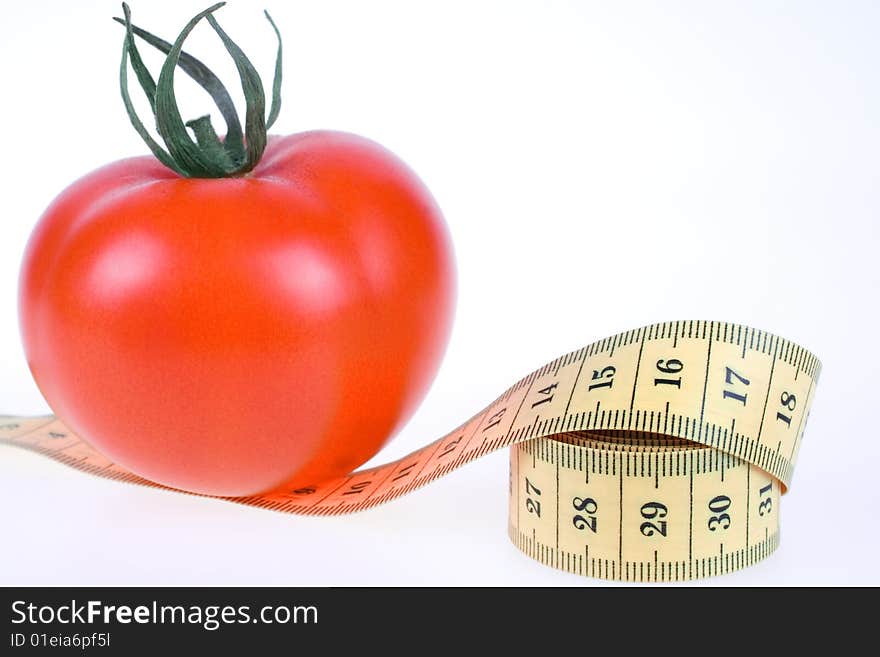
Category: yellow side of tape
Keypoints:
(656, 454)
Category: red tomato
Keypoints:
(230, 336)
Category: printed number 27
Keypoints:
(533, 505)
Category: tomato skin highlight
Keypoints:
(231, 336)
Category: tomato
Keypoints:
(229, 336)
(241, 314)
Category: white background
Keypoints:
(601, 166)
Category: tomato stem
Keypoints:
(206, 156)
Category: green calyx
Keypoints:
(206, 156)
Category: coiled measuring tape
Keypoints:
(658, 454)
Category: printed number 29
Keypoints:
(653, 511)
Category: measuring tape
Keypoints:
(658, 454)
